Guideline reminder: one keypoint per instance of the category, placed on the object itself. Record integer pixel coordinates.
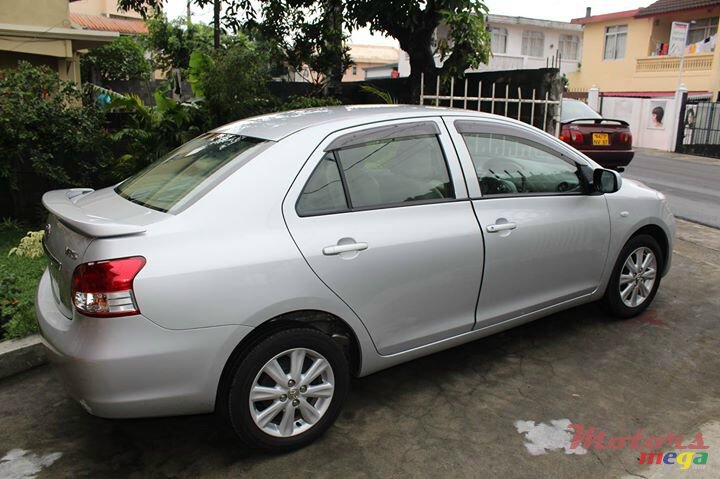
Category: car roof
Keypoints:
(277, 126)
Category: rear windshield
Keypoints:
(573, 109)
(186, 170)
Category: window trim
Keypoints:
(381, 206)
(379, 133)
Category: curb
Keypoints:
(19, 355)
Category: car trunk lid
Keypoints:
(76, 218)
(599, 134)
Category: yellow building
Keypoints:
(41, 32)
(627, 52)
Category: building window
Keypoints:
(498, 40)
(569, 47)
(354, 70)
(615, 40)
(533, 44)
(701, 30)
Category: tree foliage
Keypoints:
(233, 81)
(313, 32)
(50, 137)
(121, 59)
(151, 131)
(173, 42)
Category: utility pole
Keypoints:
(189, 13)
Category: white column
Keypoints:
(677, 122)
(593, 99)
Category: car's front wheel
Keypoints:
(288, 390)
(635, 278)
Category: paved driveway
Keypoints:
(468, 412)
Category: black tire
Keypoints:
(237, 405)
(612, 297)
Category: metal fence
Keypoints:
(701, 129)
(533, 106)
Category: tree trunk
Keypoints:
(216, 24)
(422, 60)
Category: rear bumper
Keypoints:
(131, 367)
(610, 158)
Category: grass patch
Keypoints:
(19, 278)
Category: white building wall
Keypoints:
(513, 59)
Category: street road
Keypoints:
(691, 183)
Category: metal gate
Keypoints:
(699, 132)
(532, 106)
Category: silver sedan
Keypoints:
(255, 269)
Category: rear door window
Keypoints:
(185, 171)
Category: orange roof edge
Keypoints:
(606, 17)
(120, 25)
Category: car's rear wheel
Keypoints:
(635, 278)
(288, 390)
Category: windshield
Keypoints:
(174, 177)
(573, 109)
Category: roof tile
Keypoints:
(667, 6)
(106, 24)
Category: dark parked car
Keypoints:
(608, 142)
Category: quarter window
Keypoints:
(615, 40)
(533, 43)
(324, 191)
(507, 165)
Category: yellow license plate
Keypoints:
(601, 139)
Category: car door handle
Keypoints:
(344, 248)
(501, 227)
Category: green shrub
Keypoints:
(30, 245)
(17, 313)
(299, 102)
(19, 276)
(50, 138)
(151, 131)
(121, 59)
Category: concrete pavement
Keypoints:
(497, 407)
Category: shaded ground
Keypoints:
(450, 414)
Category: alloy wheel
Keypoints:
(292, 392)
(637, 277)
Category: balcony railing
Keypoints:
(664, 64)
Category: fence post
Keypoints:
(593, 98)
(681, 95)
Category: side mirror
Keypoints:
(606, 181)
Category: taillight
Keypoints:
(626, 138)
(572, 136)
(104, 289)
(576, 138)
(565, 135)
